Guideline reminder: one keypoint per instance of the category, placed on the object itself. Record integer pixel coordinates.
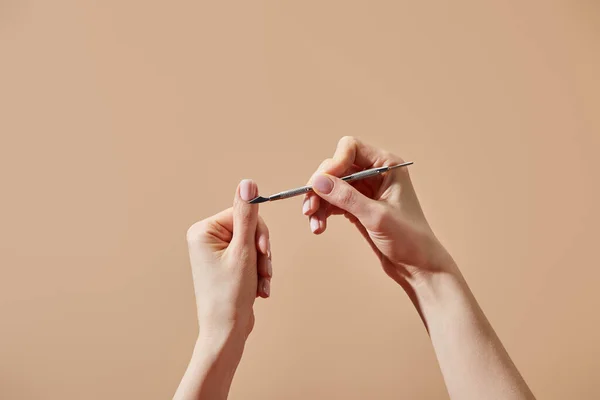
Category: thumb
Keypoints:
(344, 196)
(245, 215)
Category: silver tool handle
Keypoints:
(362, 174)
(349, 178)
(293, 192)
(353, 177)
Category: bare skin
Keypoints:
(386, 211)
(231, 266)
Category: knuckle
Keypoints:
(196, 230)
(348, 141)
(347, 198)
(393, 158)
(325, 164)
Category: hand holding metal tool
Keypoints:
(305, 189)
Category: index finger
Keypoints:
(351, 151)
(350, 154)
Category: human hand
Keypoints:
(384, 208)
(231, 265)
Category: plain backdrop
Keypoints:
(123, 122)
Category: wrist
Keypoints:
(215, 342)
(438, 290)
(214, 361)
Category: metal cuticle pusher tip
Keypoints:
(258, 199)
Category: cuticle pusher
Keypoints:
(305, 189)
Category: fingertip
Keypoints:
(323, 184)
(269, 268)
(264, 288)
(312, 204)
(314, 224)
(263, 244)
(322, 224)
(317, 224)
(245, 215)
(259, 288)
(247, 189)
(264, 266)
(306, 205)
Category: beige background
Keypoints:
(123, 122)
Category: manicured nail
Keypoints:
(269, 249)
(247, 190)
(306, 206)
(269, 269)
(323, 184)
(267, 287)
(263, 245)
(314, 224)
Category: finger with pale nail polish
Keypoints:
(306, 205)
(264, 287)
(263, 264)
(314, 201)
(314, 223)
(262, 236)
(321, 220)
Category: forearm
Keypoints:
(211, 368)
(472, 359)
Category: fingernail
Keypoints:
(269, 249)
(247, 190)
(269, 269)
(306, 205)
(314, 224)
(267, 287)
(263, 245)
(323, 184)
